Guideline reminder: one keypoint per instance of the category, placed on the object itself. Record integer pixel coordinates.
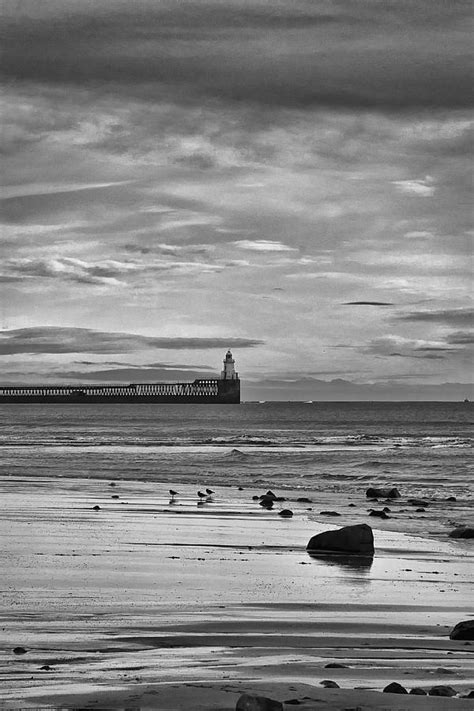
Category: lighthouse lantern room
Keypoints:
(229, 371)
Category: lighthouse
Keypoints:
(229, 371)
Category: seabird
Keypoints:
(201, 495)
(173, 493)
(209, 492)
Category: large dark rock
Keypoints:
(442, 691)
(351, 540)
(416, 691)
(248, 702)
(389, 493)
(462, 532)
(395, 688)
(286, 513)
(463, 630)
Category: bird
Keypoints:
(201, 495)
(173, 493)
(209, 492)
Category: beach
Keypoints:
(149, 602)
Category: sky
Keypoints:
(288, 178)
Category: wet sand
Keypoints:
(151, 604)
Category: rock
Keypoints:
(240, 488)
(442, 691)
(451, 498)
(304, 500)
(112, 483)
(293, 702)
(286, 513)
(335, 665)
(329, 513)
(463, 630)
(379, 514)
(96, 508)
(470, 695)
(417, 502)
(420, 509)
(386, 509)
(115, 496)
(418, 692)
(266, 502)
(351, 540)
(328, 684)
(443, 670)
(352, 506)
(270, 493)
(19, 650)
(248, 702)
(46, 667)
(255, 498)
(395, 688)
(462, 532)
(373, 492)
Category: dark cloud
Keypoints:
(403, 55)
(368, 303)
(460, 338)
(136, 375)
(83, 340)
(453, 317)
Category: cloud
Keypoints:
(452, 317)
(422, 187)
(49, 339)
(460, 338)
(400, 347)
(263, 245)
(292, 54)
(368, 303)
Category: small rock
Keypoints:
(329, 513)
(255, 498)
(304, 500)
(395, 688)
(463, 630)
(378, 514)
(443, 670)
(351, 505)
(115, 496)
(351, 540)
(386, 509)
(442, 691)
(112, 483)
(389, 493)
(420, 509)
(270, 493)
(418, 692)
(286, 513)
(96, 508)
(248, 702)
(46, 667)
(266, 502)
(451, 498)
(462, 532)
(292, 702)
(19, 650)
(328, 684)
(417, 502)
(240, 488)
(335, 665)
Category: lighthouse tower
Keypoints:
(229, 371)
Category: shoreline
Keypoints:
(218, 594)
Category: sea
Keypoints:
(309, 446)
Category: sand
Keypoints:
(147, 604)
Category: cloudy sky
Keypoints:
(289, 178)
